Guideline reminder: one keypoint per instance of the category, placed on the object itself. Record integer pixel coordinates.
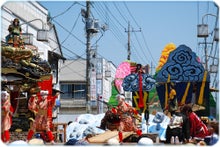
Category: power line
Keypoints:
(145, 42)
(71, 63)
(113, 28)
(122, 15)
(78, 56)
(116, 19)
(64, 11)
(71, 29)
(141, 32)
(131, 15)
(69, 32)
(140, 46)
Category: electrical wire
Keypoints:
(145, 42)
(69, 32)
(131, 15)
(64, 11)
(141, 31)
(143, 53)
(74, 25)
(119, 11)
(115, 18)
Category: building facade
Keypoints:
(73, 84)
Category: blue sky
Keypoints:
(161, 22)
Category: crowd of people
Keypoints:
(185, 125)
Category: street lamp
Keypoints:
(202, 31)
(42, 34)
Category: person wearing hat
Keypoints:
(7, 112)
(55, 94)
(126, 114)
(39, 105)
(14, 38)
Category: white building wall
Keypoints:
(28, 11)
(104, 83)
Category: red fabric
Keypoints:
(30, 134)
(139, 132)
(47, 85)
(135, 111)
(120, 136)
(50, 135)
(11, 109)
(197, 127)
(114, 111)
(43, 136)
(140, 102)
(5, 136)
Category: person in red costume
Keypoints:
(39, 105)
(7, 112)
(126, 114)
(198, 130)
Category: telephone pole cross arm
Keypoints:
(129, 39)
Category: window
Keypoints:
(67, 89)
(76, 91)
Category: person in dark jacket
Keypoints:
(178, 130)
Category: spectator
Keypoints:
(179, 126)
(198, 130)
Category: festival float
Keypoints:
(122, 121)
(24, 74)
(181, 68)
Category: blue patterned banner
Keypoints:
(131, 82)
(182, 65)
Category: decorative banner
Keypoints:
(131, 82)
(164, 55)
(182, 65)
(187, 72)
(122, 71)
(136, 97)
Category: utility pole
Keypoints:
(92, 28)
(129, 40)
(206, 58)
(88, 47)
